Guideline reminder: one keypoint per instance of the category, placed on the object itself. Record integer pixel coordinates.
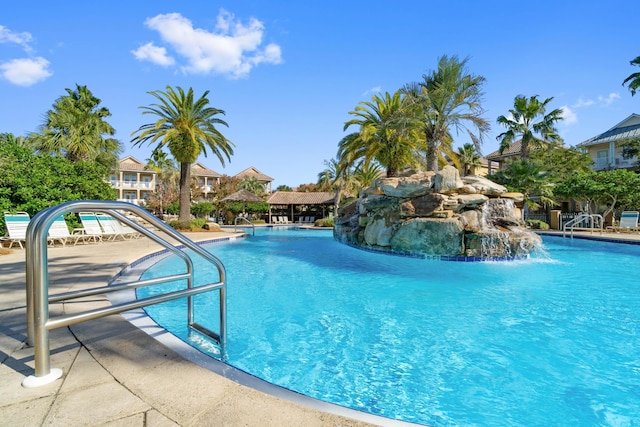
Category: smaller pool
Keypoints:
(551, 340)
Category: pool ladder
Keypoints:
(583, 221)
(38, 299)
(235, 224)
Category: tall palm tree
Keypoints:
(521, 123)
(634, 79)
(387, 134)
(75, 127)
(468, 158)
(449, 98)
(187, 126)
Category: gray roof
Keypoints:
(300, 198)
(627, 129)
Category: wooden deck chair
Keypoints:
(16, 225)
(628, 222)
(90, 230)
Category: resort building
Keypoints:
(606, 148)
(135, 182)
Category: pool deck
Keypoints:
(115, 374)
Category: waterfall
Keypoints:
(496, 242)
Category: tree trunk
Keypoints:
(432, 155)
(185, 192)
(336, 202)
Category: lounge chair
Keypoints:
(110, 227)
(16, 225)
(311, 219)
(59, 232)
(628, 222)
(90, 230)
(285, 219)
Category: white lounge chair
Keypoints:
(59, 232)
(628, 222)
(285, 220)
(110, 227)
(16, 225)
(90, 230)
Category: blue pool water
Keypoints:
(553, 340)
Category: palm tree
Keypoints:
(387, 134)
(75, 127)
(167, 178)
(522, 123)
(253, 185)
(468, 158)
(366, 174)
(448, 99)
(187, 127)
(530, 179)
(634, 79)
(336, 177)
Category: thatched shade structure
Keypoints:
(299, 198)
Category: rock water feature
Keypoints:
(437, 215)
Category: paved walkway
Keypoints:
(116, 375)
(113, 373)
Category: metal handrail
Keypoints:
(592, 218)
(38, 321)
(235, 224)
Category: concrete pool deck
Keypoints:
(115, 374)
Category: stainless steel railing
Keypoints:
(39, 322)
(235, 224)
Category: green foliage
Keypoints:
(283, 188)
(537, 224)
(253, 185)
(31, 182)
(618, 188)
(633, 81)
(180, 225)
(173, 208)
(528, 178)
(202, 209)
(198, 223)
(252, 207)
(324, 222)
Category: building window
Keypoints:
(602, 159)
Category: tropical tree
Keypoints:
(449, 98)
(336, 177)
(366, 174)
(187, 126)
(528, 178)
(469, 159)
(387, 134)
(633, 81)
(527, 119)
(166, 180)
(283, 187)
(253, 185)
(75, 128)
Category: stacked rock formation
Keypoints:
(437, 214)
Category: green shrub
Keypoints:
(536, 224)
(198, 223)
(180, 225)
(324, 222)
(258, 221)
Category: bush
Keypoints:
(198, 223)
(181, 225)
(536, 224)
(324, 222)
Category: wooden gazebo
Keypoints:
(290, 201)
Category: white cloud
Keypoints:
(609, 99)
(232, 48)
(157, 55)
(22, 39)
(569, 116)
(583, 103)
(25, 71)
(373, 91)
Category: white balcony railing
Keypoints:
(133, 184)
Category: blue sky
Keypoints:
(287, 73)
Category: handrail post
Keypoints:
(37, 280)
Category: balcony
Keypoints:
(133, 185)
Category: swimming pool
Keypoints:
(551, 340)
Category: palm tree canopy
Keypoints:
(449, 99)
(634, 79)
(75, 127)
(187, 126)
(387, 134)
(521, 123)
